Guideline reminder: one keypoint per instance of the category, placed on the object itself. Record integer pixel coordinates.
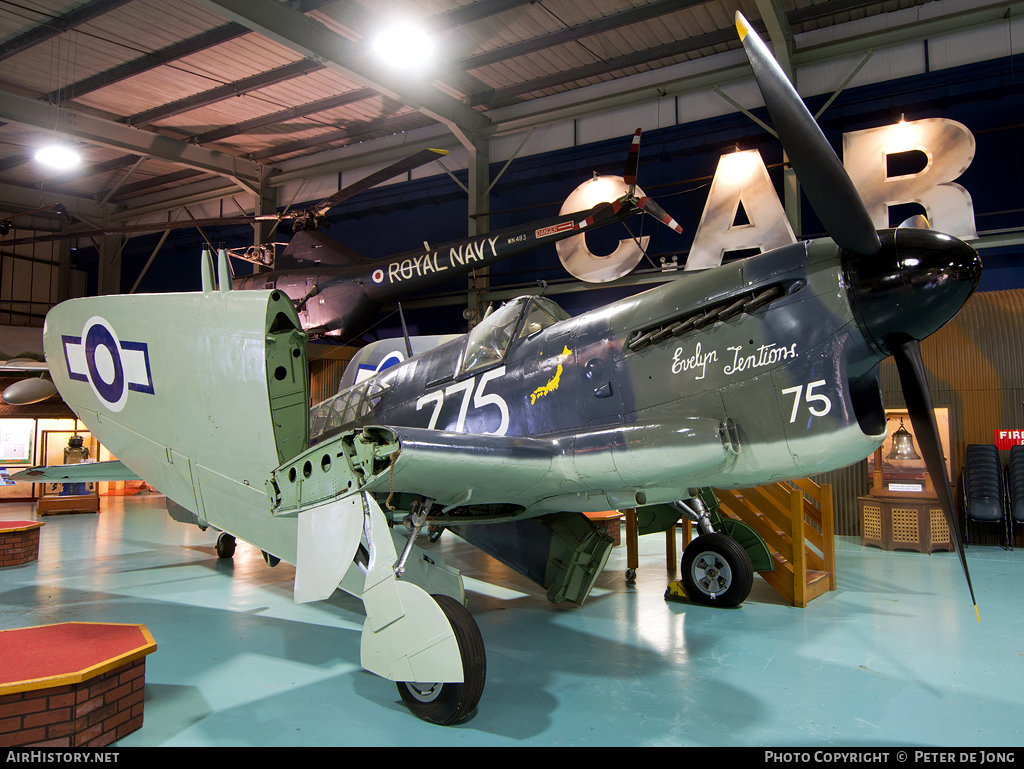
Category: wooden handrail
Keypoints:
(796, 522)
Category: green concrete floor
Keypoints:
(894, 657)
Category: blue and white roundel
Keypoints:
(110, 366)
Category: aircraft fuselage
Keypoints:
(761, 370)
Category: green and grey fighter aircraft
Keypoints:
(760, 370)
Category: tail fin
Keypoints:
(309, 248)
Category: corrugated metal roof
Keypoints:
(177, 68)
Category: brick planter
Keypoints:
(19, 542)
(610, 522)
(76, 684)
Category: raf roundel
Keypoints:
(110, 366)
(378, 276)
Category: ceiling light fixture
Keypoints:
(58, 156)
(404, 46)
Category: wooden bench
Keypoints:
(19, 542)
(74, 684)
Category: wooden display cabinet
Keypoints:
(902, 510)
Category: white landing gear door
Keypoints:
(328, 537)
(406, 636)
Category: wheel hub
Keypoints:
(711, 574)
(424, 692)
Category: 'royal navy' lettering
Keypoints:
(434, 261)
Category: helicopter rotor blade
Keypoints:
(389, 172)
(659, 213)
(632, 162)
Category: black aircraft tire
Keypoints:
(448, 704)
(225, 545)
(716, 571)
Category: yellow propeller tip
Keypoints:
(976, 613)
(439, 152)
(742, 26)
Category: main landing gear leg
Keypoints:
(715, 569)
(429, 645)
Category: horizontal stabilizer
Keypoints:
(86, 472)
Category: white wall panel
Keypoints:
(546, 138)
(312, 189)
(977, 44)
(42, 280)
(619, 123)
(700, 105)
(886, 64)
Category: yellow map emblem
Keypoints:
(552, 385)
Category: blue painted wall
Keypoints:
(676, 167)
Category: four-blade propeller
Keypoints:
(837, 204)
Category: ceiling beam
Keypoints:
(467, 14)
(671, 86)
(668, 50)
(913, 31)
(781, 33)
(614, 21)
(147, 62)
(315, 41)
(404, 122)
(84, 172)
(829, 8)
(282, 116)
(129, 191)
(106, 133)
(897, 35)
(165, 55)
(58, 25)
(222, 92)
(18, 198)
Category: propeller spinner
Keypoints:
(904, 283)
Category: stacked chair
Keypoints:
(1015, 491)
(984, 496)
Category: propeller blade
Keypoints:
(829, 188)
(907, 355)
(659, 213)
(389, 172)
(632, 161)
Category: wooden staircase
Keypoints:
(795, 520)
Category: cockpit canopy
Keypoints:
(486, 345)
(489, 340)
